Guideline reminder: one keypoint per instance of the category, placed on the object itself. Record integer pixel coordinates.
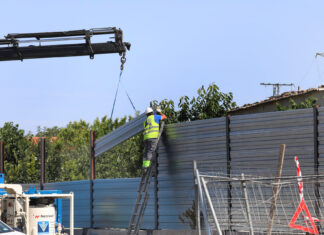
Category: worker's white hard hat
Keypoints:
(148, 110)
(158, 109)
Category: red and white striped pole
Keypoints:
(299, 180)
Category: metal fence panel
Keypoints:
(321, 139)
(254, 142)
(203, 141)
(114, 200)
(81, 190)
(119, 135)
(256, 138)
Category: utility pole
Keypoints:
(276, 87)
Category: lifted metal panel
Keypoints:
(120, 135)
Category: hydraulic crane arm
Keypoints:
(40, 45)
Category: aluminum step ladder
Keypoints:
(143, 195)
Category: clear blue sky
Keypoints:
(177, 46)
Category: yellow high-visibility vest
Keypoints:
(151, 128)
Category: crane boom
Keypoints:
(11, 49)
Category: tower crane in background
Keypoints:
(276, 87)
(319, 54)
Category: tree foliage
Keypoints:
(307, 103)
(20, 162)
(209, 103)
(67, 156)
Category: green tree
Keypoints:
(209, 103)
(167, 107)
(70, 153)
(105, 125)
(68, 156)
(20, 162)
(307, 103)
(189, 216)
(15, 140)
(48, 131)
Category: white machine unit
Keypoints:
(42, 219)
(33, 214)
(12, 212)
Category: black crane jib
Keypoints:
(40, 45)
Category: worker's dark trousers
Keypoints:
(149, 152)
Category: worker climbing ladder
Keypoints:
(143, 195)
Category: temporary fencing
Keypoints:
(223, 147)
(242, 203)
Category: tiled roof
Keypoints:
(284, 95)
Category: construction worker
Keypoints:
(151, 133)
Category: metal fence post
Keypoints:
(204, 184)
(197, 207)
(316, 165)
(203, 205)
(228, 167)
(276, 188)
(2, 156)
(43, 158)
(247, 205)
(92, 173)
(156, 189)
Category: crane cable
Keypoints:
(122, 60)
(113, 108)
(130, 100)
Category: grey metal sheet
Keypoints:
(119, 135)
(175, 197)
(271, 115)
(114, 200)
(321, 139)
(255, 141)
(202, 140)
